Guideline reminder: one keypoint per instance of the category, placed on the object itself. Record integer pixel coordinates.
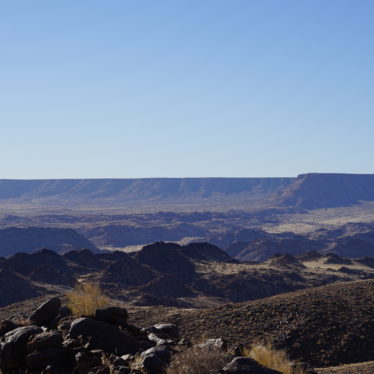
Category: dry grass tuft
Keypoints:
(85, 299)
(272, 358)
(197, 360)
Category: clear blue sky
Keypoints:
(185, 88)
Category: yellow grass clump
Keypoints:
(272, 358)
(197, 360)
(85, 299)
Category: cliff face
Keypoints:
(312, 191)
(308, 191)
(144, 191)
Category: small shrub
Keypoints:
(197, 360)
(85, 299)
(272, 358)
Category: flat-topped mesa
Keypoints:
(317, 190)
(143, 191)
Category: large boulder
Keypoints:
(113, 315)
(46, 312)
(13, 349)
(155, 360)
(246, 365)
(47, 339)
(101, 335)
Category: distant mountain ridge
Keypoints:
(307, 191)
(151, 191)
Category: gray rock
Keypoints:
(46, 312)
(164, 331)
(214, 344)
(167, 330)
(162, 352)
(158, 341)
(101, 335)
(155, 360)
(246, 365)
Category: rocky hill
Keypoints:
(350, 240)
(195, 275)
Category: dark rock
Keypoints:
(86, 361)
(113, 315)
(48, 356)
(121, 370)
(246, 365)
(152, 364)
(162, 352)
(99, 370)
(46, 312)
(103, 336)
(64, 312)
(13, 350)
(6, 326)
(48, 339)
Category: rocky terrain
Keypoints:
(325, 326)
(194, 275)
(321, 327)
(52, 340)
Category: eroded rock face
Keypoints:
(101, 335)
(46, 312)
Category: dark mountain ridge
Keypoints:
(30, 239)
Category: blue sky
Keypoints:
(185, 88)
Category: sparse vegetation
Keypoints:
(272, 358)
(85, 299)
(197, 360)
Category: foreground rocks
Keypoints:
(55, 343)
